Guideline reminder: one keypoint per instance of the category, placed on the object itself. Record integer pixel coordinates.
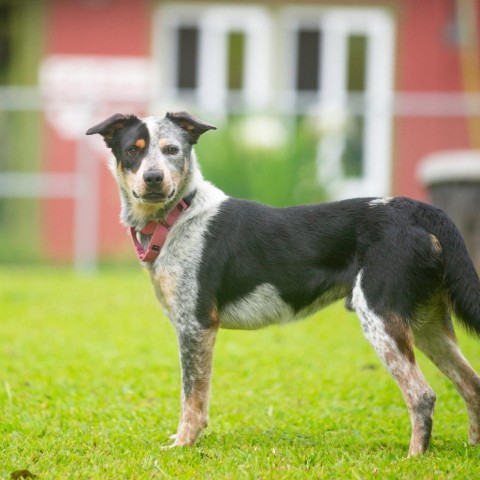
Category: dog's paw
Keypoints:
(177, 442)
(187, 434)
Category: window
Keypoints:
(236, 60)
(356, 62)
(221, 53)
(187, 58)
(336, 62)
(341, 59)
(308, 60)
(5, 43)
(353, 152)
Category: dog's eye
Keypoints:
(171, 150)
(132, 151)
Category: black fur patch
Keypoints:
(122, 133)
(125, 146)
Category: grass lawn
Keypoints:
(89, 389)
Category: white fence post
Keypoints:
(86, 215)
(82, 185)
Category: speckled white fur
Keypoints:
(419, 397)
(372, 326)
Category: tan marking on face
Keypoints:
(176, 177)
(163, 142)
(128, 179)
(140, 143)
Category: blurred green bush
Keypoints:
(263, 158)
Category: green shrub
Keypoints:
(264, 159)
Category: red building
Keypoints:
(396, 75)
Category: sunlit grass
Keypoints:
(89, 388)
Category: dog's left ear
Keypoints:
(109, 127)
(193, 126)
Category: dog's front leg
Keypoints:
(196, 351)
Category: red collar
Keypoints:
(158, 231)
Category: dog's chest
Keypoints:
(173, 275)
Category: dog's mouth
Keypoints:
(154, 197)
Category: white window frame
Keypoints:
(334, 101)
(214, 23)
(269, 76)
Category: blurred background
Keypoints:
(314, 100)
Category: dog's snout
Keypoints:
(153, 177)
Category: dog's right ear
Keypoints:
(109, 127)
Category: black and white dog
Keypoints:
(217, 261)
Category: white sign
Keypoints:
(74, 87)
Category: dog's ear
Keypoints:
(109, 127)
(193, 126)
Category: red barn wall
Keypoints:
(428, 61)
(116, 28)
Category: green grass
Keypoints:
(89, 389)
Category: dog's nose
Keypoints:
(153, 177)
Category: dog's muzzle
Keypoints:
(154, 191)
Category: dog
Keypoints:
(221, 262)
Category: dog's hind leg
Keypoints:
(435, 337)
(196, 352)
(392, 340)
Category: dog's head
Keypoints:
(153, 155)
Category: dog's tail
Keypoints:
(461, 280)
